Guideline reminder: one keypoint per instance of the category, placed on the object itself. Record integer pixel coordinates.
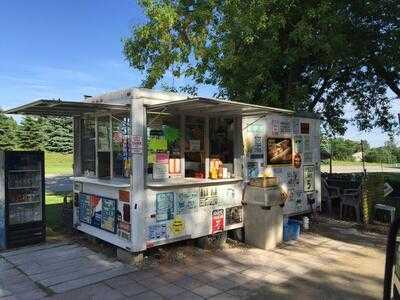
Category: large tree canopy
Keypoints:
(304, 55)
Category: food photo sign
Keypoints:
(279, 151)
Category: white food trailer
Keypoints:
(144, 163)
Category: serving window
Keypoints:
(88, 145)
(189, 146)
(105, 146)
(163, 146)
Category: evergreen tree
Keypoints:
(31, 135)
(8, 128)
(59, 135)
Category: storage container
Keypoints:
(291, 230)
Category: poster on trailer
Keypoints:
(217, 223)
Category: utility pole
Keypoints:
(362, 158)
(330, 156)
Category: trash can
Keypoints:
(263, 216)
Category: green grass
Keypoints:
(54, 203)
(353, 163)
(58, 163)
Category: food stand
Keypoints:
(152, 168)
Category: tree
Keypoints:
(59, 134)
(8, 128)
(31, 133)
(303, 55)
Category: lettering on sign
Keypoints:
(137, 144)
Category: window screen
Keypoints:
(88, 146)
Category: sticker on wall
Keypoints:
(298, 144)
(279, 151)
(297, 160)
(160, 171)
(252, 169)
(137, 144)
(78, 187)
(108, 214)
(186, 202)
(309, 178)
(305, 128)
(230, 196)
(285, 127)
(98, 211)
(158, 232)
(217, 223)
(258, 145)
(177, 226)
(256, 128)
(124, 215)
(293, 180)
(208, 196)
(162, 158)
(234, 215)
(164, 206)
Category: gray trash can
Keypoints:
(263, 216)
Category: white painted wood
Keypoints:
(138, 200)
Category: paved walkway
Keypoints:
(337, 263)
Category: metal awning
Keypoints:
(64, 108)
(208, 106)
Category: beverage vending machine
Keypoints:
(22, 202)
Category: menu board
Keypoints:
(98, 211)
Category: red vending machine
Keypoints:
(22, 198)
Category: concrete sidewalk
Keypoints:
(338, 263)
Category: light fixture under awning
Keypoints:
(60, 108)
(208, 106)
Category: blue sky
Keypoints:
(68, 48)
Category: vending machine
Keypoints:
(22, 202)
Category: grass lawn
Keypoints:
(58, 163)
(54, 211)
(352, 163)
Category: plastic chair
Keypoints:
(351, 198)
(328, 193)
